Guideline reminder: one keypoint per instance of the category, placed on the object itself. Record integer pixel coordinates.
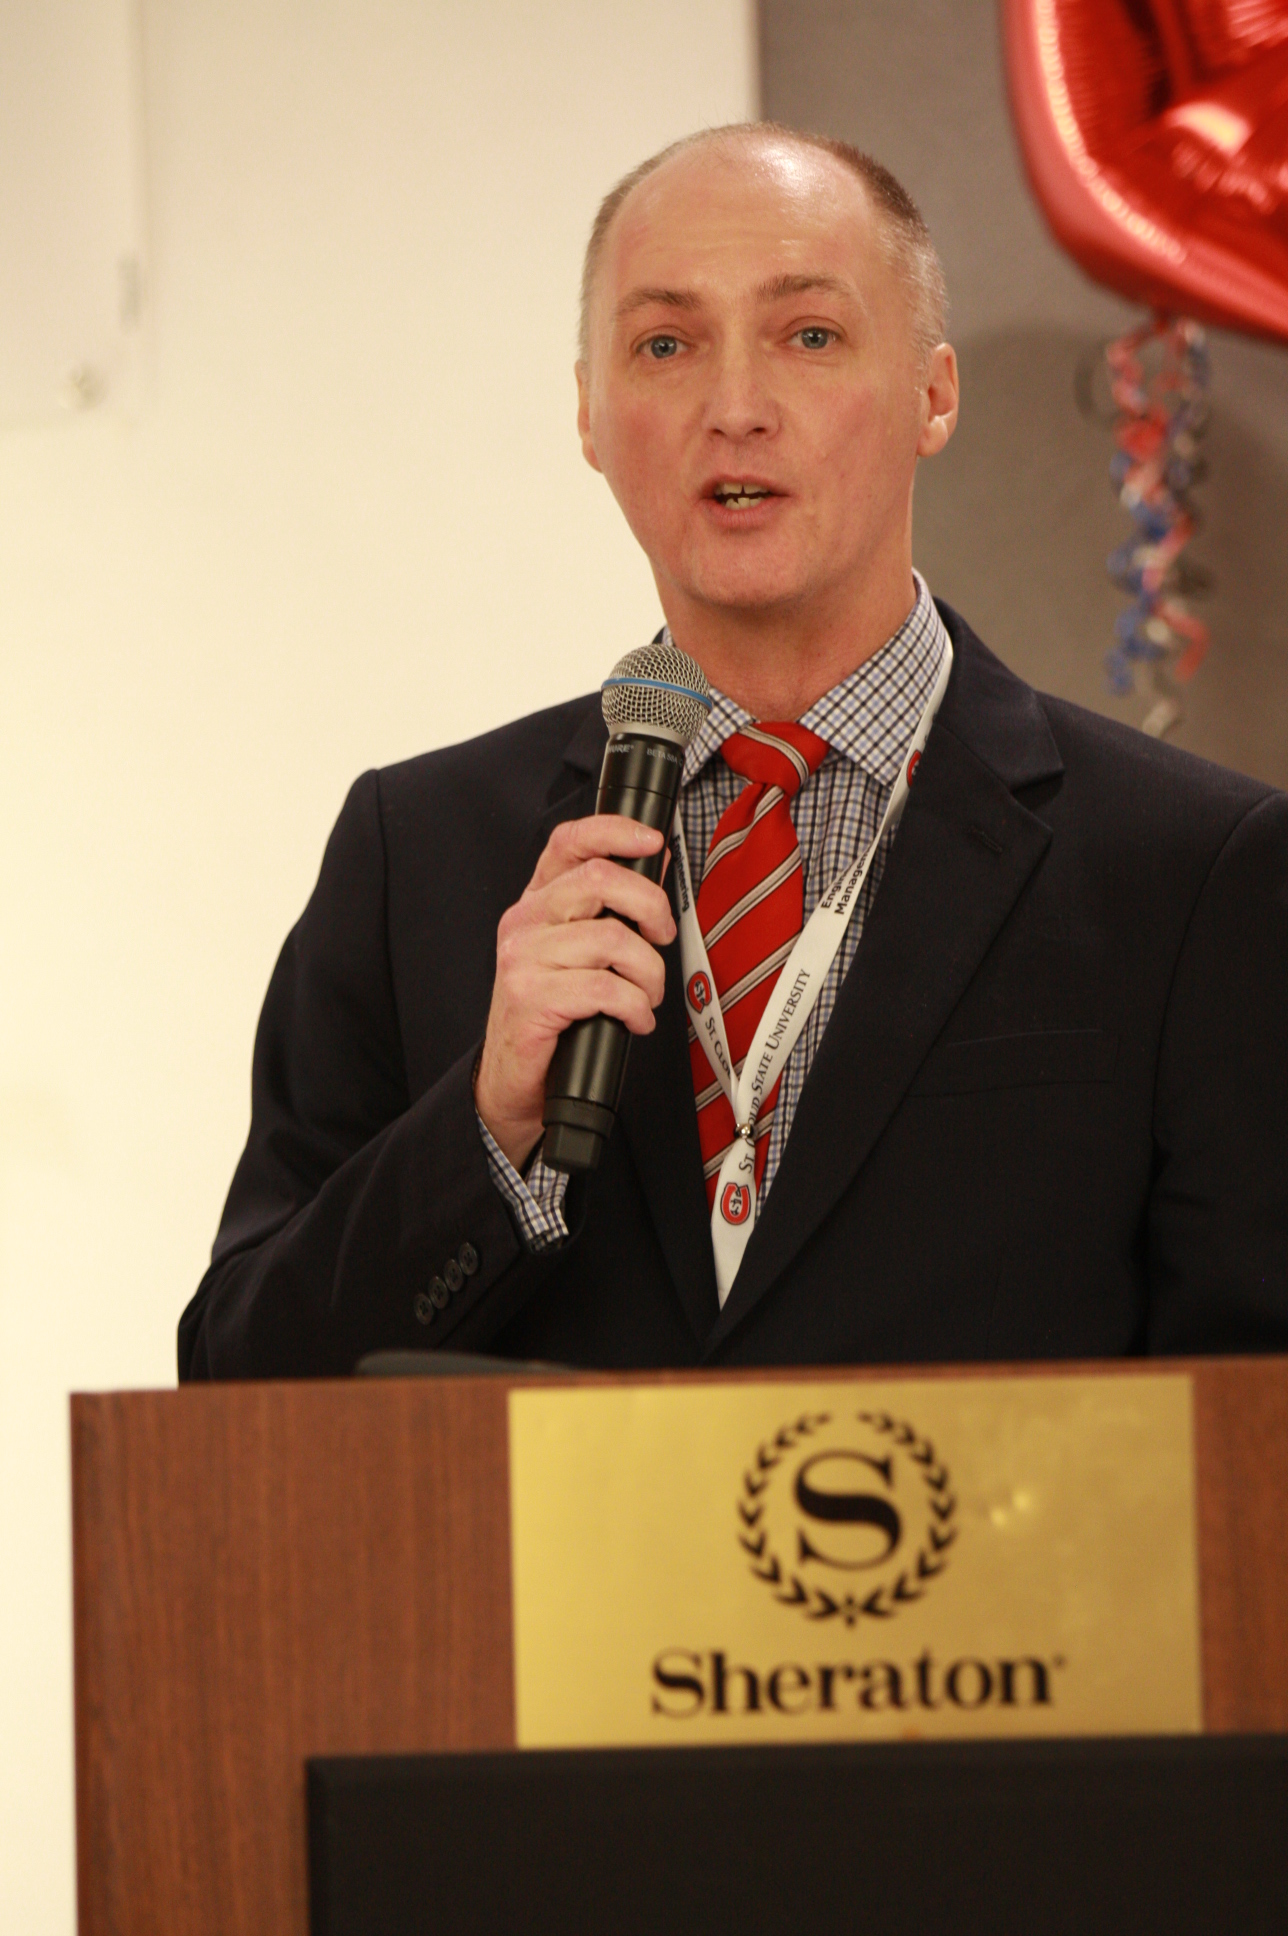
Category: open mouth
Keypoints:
(739, 496)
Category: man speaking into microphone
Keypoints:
(956, 1023)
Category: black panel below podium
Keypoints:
(1175, 1837)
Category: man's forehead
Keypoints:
(779, 212)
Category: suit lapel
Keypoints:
(661, 1125)
(964, 851)
(573, 794)
(657, 1117)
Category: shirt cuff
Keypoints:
(536, 1202)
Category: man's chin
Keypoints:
(751, 589)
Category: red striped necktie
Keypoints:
(750, 909)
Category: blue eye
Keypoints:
(815, 337)
(662, 347)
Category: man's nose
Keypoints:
(740, 402)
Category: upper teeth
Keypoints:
(740, 493)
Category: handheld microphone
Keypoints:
(655, 699)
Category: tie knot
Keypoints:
(777, 752)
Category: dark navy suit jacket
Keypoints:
(1048, 1118)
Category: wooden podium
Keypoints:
(269, 1573)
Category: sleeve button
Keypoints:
(438, 1293)
(453, 1275)
(468, 1258)
(425, 1312)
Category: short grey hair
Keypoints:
(909, 245)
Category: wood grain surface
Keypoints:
(264, 1573)
(269, 1572)
(1241, 1453)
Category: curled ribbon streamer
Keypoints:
(1159, 375)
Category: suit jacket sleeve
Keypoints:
(351, 1195)
(1218, 1226)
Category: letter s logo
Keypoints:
(699, 992)
(839, 1508)
(735, 1203)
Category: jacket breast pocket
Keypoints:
(1018, 1061)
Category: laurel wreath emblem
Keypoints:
(884, 1601)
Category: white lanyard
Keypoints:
(798, 987)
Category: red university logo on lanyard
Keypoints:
(735, 1203)
(699, 992)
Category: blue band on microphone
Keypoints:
(662, 685)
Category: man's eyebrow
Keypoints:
(800, 285)
(771, 291)
(661, 298)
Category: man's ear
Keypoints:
(583, 416)
(939, 400)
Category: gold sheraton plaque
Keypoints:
(884, 1560)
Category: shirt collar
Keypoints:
(870, 717)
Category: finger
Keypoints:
(591, 945)
(528, 1018)
(602, 886)
(575, 841)
(579, 993)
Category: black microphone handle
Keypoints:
(640, 778)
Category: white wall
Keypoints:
(349, 522)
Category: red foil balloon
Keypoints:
(1155, 135)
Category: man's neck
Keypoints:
(777, 662)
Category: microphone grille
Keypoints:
(658, 687)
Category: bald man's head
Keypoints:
(902, 228)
